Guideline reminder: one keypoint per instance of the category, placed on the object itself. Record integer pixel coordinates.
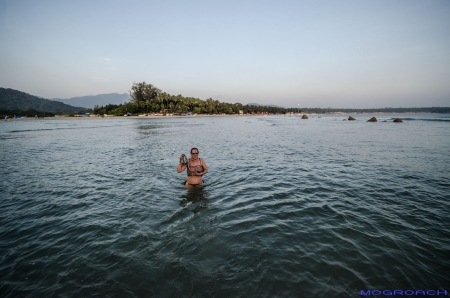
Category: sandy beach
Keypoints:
(118, 117)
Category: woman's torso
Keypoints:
(194, 167)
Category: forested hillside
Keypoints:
(11, 99)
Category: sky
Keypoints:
(340, 54)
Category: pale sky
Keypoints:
(341, 54)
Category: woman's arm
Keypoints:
(205, 168)
(181, 167)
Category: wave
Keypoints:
(413, 119)
(287, 210)
(28, 130)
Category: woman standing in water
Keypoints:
(196, 168)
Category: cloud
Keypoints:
(106, 60)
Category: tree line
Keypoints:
(147, 98)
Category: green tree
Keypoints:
(191, 103)
(177, 101)
(140, 92)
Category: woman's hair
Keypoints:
(194, 149)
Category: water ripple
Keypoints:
(309, 208)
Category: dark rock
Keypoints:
(304, 117)
(351, 118)
(373, 119)
(398, 120)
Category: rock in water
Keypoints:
(351, 118)
(398, 120)
(373, 119)
(304, 117)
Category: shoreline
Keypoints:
(120, 117)
(198, 116)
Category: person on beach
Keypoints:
(196, 168)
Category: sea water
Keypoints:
(290, 208)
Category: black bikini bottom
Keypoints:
(203, 181)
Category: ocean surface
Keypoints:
(290, 208)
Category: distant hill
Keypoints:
(91, 100)
(11, 99)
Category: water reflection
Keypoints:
(194, 195)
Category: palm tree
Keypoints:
(191, 103)
(209, 105)
(176, 101)
(165, 99)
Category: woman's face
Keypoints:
(194, 153)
